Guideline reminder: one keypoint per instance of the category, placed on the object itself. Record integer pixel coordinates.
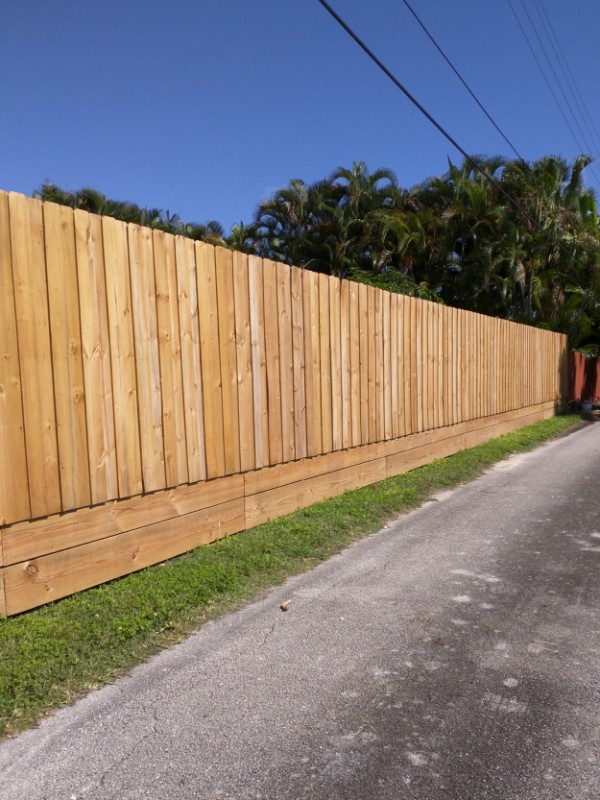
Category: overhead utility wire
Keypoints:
(559, 84)
(543, 74)
(443, 131)
(461, 79)
(426, 113)
(567, 72)
(556, 78)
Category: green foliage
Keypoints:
(455, 239)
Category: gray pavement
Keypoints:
(455, 655)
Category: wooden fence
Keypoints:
(158, 393)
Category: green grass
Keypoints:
(54, 654)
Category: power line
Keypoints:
(461, 79)
(567, 72)
(558, 82)
(426, 113)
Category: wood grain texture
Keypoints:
(95, 342)
(14, 492)
(57, 575)
(67, 363)
(259, 362)
(273, 359)
(210, 360)
(145, 330)
(228, 358)
(191, 368)
(35, 353)
(243, 342)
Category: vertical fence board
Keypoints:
(35, 356)
(244, 360)
(354, 323)
(299, 379)
(345, 364)
(228, 354)
(122, 348)
(193, 403)
(259, 362)
(145, 327)
(273, 372)
(214, 439)
(96, 357)
(326, 386)
(67, 364)
(14, 495)
(394, 364)
(407, 363)
(312, 362)
(402, 365)
(386, 301)
(372, 363)
(286, 361)
(363, 343)
(379, 369)
(336, 361)
(169, 351)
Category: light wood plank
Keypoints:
(286, 499)
(355, 366)
(210, 360)
(379, 368)
(95, 342)
(29, 540)
(336, 361)
(373, 401)
(273, 358)
(145, 328)
(243, 341)
(394, 365)
(169, 350)
(122, 347)
(299, 368)
(14, 490)
(312, 362)
(259, 364)
(345, 363)
(325, 354)
(67, 364)
(387, 364)
(191, 367)
(286, 361)
(35, 355)
(363, 336)
(228, 355)
(57, 575)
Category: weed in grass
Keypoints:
(53, 654)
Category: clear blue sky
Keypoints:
(205, 108)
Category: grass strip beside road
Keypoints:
(54, 654)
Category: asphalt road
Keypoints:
(455, 655)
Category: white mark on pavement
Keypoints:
(461, 598)
(503, 705)
(511, 683)
(416, 759)
(570, 742)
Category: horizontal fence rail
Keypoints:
(136, 366)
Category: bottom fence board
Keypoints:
(275, 503)
(26, 540)
(50, 577)
(48, 559)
